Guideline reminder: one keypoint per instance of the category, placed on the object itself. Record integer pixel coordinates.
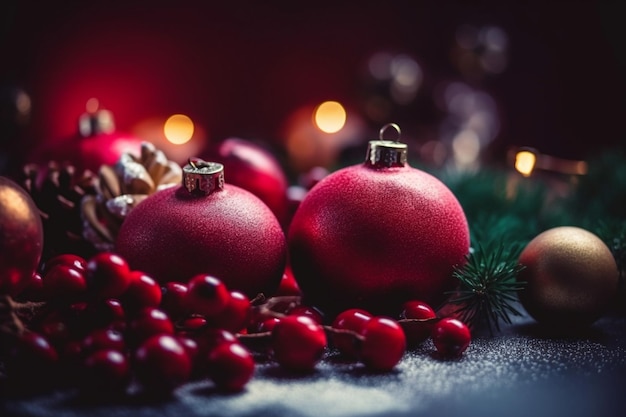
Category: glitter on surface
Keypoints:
(520, 372)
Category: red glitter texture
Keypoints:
(230, 234)
(374, 238)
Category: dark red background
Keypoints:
(240, 68)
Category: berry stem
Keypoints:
(15, 315)
(332, 330)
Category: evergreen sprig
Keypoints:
(488, 286)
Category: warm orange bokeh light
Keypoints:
(178, 129)
(525, 162)
(330, 117)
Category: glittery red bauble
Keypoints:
(230, 234)
(103, 149)
(374, 237)
(97, 143)
(253, 168)
(21, 237)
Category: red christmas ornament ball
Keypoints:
(229, 233)
(103, 149)
(96, 143)
(253, 168)
(375, 235)
(21, 237)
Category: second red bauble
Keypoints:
(252, 167)
(375, 235)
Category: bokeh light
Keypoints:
(95, 120)
(406, 79)
(92, 105)
(480, 50)
(330, 117)
(525, 162)
(308, 146)
(178, 129)
(155, 129)
(466, 149)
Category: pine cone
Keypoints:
(58, 190)
(121, 187)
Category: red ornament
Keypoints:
(253, 168)
(205, 227)
(375, 235)
(21, 237)
(97, 142)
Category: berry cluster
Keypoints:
(106, 328)
(380, 342)
(450, 336)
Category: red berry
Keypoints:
(103, 339)
(173, 300)
(32, 361)
(383, 344)
(108, 275)
(143, 291)
(104, 372)
(230, 366)
(192, 324)
(298, 343)
(354, 320)
(33, 289)
(312, 312)
(267, 325)
(62, 281)
(162, 363)
(72, 355)
(68, 259)
(206, 295)
(288, 285)
(417, 331)
(235, 315)
(451, 337)
(209, 338)
(104, 313)
(56, 329)
(149, 322)
(190, 345)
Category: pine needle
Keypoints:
(488, 287)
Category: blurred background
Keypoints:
(465, 80)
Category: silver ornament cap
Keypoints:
(383, 153)
(202, 177)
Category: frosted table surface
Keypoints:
(518, 372)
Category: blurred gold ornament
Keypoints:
(571, 277)
(121, 187)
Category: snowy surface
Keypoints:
(516, 373)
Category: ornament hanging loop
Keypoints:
(383, 153)
(202, 178)
(394, 126)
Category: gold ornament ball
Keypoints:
(571, 277)
(21, 237)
